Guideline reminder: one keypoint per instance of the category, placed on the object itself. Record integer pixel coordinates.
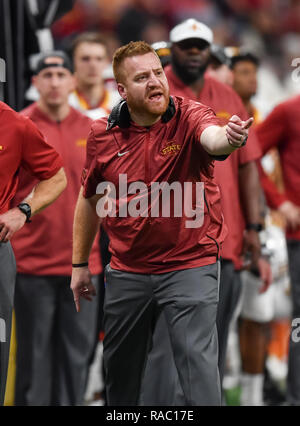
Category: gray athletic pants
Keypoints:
(160, 383)
(293, 381)
(230, 292)
(7, 286)
(133, 303)
(54, 342)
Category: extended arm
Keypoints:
(218, 140)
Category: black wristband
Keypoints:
(26, 209)
(80, 265)
(245, 141)
(237, 146)
(254, 226)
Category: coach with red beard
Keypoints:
(158, 264)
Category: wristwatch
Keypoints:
(238, 146)
(245, 140)
(255, 227)
(26, 209)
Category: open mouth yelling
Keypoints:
(155, 96)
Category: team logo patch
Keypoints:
(81, 142)
(171, 148)
(223, 117)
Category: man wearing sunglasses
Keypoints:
(239, 186)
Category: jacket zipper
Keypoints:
(147, 162)
(147, 165)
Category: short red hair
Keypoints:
(134, 48)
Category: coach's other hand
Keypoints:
(81, 285)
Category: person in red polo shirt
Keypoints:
(94, 98)
(54, 344)
(239, 185)
(22, 145)
(164, 261)
(281, 129)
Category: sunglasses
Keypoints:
(191, 43)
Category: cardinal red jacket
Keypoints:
(168, 151)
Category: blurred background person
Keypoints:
(90, 58)
(54, 342)
(238, 67)
(244, 66)
(257, 304)
(219, 65)
(275, 381)
(94, 96)
(22, 146)
(281, 129)
(143, 20)
(239, 184)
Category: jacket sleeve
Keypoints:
(271, 133)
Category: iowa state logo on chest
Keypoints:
(170, 148)
(81, 142)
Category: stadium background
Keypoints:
(270, 28)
